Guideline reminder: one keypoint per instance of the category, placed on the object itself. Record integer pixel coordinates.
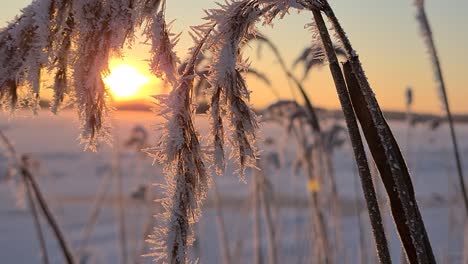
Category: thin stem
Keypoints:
(93, 217)
(257, 258)
(336, 204)
(356, 140)
(318, 225)
(465, 241)
(37, 222)
(362, 258)
(315, 125)
(147, 226)
(222, 234)
(316, 214)
(49, 216)
(27, 177)
(272, 247)
(427, 33)
(117, 173)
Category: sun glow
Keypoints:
(125, 81)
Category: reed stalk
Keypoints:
(257, 247)
(222, 234)
(37, 221)
(435, 61)
(386, 153)
(362, 256)
(465, 241)
(270, 227)
(93, 216)
(117, 174)
(319, 227)
(396, 179)
(25, 172)
(356, 140)
(49, 216)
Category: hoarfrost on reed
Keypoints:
(72, 40)
(186, 176)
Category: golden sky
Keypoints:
(384, 33)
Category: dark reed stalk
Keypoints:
(356, 141)
(36, 219)
(40, 200)
(49, 216)
(387, 155)
(403, 204)
(435, 61)
(409, 118)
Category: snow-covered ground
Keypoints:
(70, 179)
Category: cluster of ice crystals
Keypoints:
(235, 21)
(72, 40)
(186, 178)
(163, 61)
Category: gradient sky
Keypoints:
(384, 33)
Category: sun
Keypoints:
(124, 81)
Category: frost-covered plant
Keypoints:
(359, 103)
(186, 175)
(22, 166)
(164, 61)
(179, 148)
(21, 47)
(314, 56)
(75, 38)
(72, 40)
(426, 33)
(314, 145)
(230, 94)
(13, 174)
